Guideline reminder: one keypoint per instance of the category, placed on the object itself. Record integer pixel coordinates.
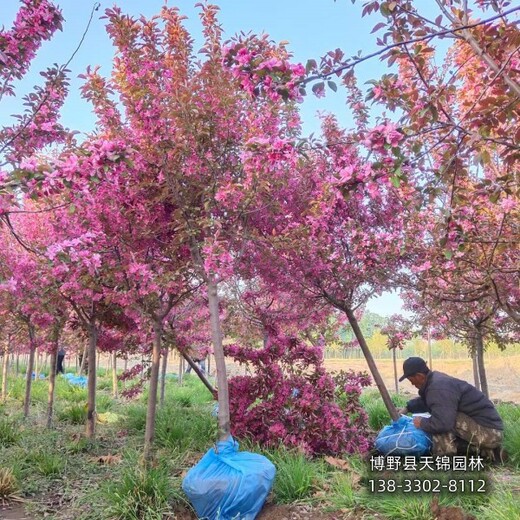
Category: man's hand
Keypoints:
(417, 422)
(402, 411)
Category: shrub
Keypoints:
(290, 398)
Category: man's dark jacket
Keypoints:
(445, 396)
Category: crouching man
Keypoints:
(458, 411)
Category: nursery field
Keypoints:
(503, 373)
(60, 474)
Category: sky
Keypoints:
(312, 28)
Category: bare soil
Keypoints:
(14, 511)
(503, 373)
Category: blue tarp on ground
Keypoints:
(76, 380)
(403, 438)
(227, 484)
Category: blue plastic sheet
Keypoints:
(76, 380)
(403, 438)
(229, 485)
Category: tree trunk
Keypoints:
(83, 360)
(114, 374)
(17, 364)
(224, 422)
(480, 362)
(371, 365)
(91, 382)
(475, 367)
(28, 376)
(164, 369)
(396, 379)
(4, 368)
(152, 394)
(208, 371)
(430, 364)
(181, 369)
(36, 364)
(52, 385)
(199, 372)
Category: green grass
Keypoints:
(135, 418)
(47, 463)
(39, 460)
(72, 393)
(104, 403)
(510, 414)
(512, 443)
(342, 493)
(503, 505)
(9, 432)
(179, 430)
(16, 388)
(297, 478)
(139, 494)
(413, 507)
(75, 413)
(378, 415)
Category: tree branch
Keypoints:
(357, 61)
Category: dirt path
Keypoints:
(14, 512)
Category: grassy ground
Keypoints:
(60, 474)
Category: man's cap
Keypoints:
(413, 365)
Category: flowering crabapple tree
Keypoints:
(473, 323)
(398, 330)
(336, 232)
(458, 120)
(187, 122)
(461, 123)
(35, 22)
(29, 292)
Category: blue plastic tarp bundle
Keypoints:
(403, 438)
(76, 380)
(229, 485)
